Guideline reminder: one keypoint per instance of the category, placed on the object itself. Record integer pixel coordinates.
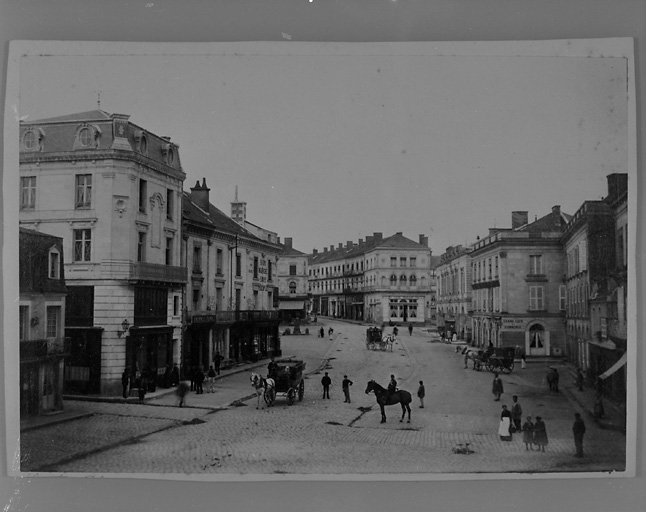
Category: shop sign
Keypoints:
(513, 324)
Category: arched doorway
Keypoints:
(537, 341)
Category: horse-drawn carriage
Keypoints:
(376, 340)
(495, 359)
(288, 380)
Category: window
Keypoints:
(536, 298)
(170, 205)
(28, 192)
(535, 264)
(197, 258)
(496, 268)
(402, 279)
(83, 191)
(53, 321)
(413, 280)
(413, 262)
(82, 244)
(562, 297)
(218, 261)
(175, 305)
(24, 322)
(255, 267)
(141, 247)
(143, 186)
(54, 264)
(269, 271)
(238, 265)
(393, 280)
(292, 287)
(29, 139)
(292, 270)
(402, 261)
(169, 251)
(85, 137)
(393, 261)
(490, 274)
(196, 299)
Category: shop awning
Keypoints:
(292, 304)
(614, 367)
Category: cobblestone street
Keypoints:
(318, 436)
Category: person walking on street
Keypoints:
(556, 380)
(504, 430)
(578, 429)
(326, 382)
(210, 387)
(199, 381)
(421, 392)
(497, 388)
(217, 361)
(272, 369)
(540, 434)
(528, 434)
(346, 388)
(410, 329)
(125, 381)
(330, 332)
(182, 391)
(143, 386)
(516, 414)
(579, 379)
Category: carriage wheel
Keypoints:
(301, 391)
(509, 368)
(269, 396)
(291, 396)
(490, 366)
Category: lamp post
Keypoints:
(125, 325)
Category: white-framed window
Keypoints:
(85, 136)
(536, 302)
(393, 280)
(393, 261)
(292, 287)
(562, 297)
(402, 261)
(413, 262)
(53, 321)
(292, 269)
(83, 187)
(54, 267)
(219, 255)
(27, 192)
(536, 264)
(82, 244)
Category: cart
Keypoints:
(501, 360)
(289, 381)
(375, 339)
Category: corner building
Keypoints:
(518, 291)
(111, 190)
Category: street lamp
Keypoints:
(125, 325)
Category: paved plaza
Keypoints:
(223, 432)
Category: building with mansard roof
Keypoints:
(453, 277)
(111, 190)
(379, 280)
(232, 291)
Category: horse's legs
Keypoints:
(403, 412)
(408, 407)
(383, 414)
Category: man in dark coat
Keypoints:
(578, 429)
(125, 381)
(326, 382)
(516, 414)
(345, 385)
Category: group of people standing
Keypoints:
(326, 382)
(534, 433)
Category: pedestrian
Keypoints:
(578, 429)
(143, 385)
(346, 388)
(395, 331)
(466, 358)
(523, 360)
(199, 381)
(454, 338)
(528, 434)
(210, 388)
(217, 361)
(410, 329)
(191, 375)
(579, 379)
(326, 382)
(497, 388)
(421, 392)
(125, 381)
(556, 380)
(174, 375)
(182, 391)
(516, 414)
(330, 332)
(504, 429)
(540, 434)
(322, 332)
(272, 369)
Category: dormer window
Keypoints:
(87, 137)
(54, 264)
(32, 139)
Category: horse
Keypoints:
(262, 386)
(400, 396)
(388, 341)
(477, 356)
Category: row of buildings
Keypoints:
(129, 271)
(556, 286)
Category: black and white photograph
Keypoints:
(263, 259)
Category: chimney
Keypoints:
(324, 249)
(349, 244)
(400, 233)
(369, 239)
(340, 245)
(423, 240)
(200, 195)
(331, 248)
(360, 241)
(519, 219)
(288, 243)
(378, 236)
(617, 185)
(315, 252)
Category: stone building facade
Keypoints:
(453, 277)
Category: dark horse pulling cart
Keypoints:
(289, 381)
(496, 360)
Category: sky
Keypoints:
(333, 146)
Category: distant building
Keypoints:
(518, 292)
(292, 282)
(381, 280)
(231, 303)
(453, 276)
(112, 191)
(41, 322)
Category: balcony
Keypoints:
(229, 317)
(43, 348)
(158, 273)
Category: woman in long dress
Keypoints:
(540, 434)
(504, 430)
(528, 433)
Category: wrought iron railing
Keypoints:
(156, 272)
(43, 347)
